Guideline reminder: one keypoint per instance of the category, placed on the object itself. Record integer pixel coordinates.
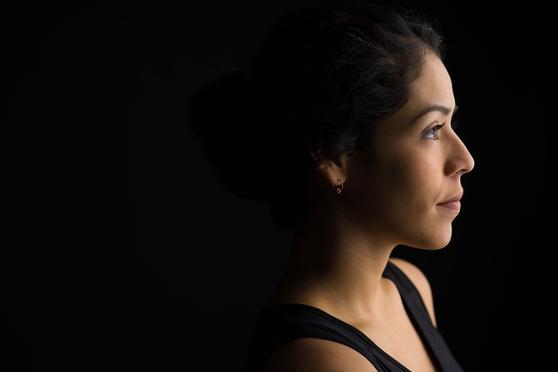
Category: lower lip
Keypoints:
(453, 206)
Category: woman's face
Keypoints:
(417, 164)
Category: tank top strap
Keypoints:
(418, 313)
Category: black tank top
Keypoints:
(278, 324)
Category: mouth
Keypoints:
(456, 197)
(452, 204)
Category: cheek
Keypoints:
(413, 182)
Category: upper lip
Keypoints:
(457, 196)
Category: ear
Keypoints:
(333, 170)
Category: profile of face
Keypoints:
(419, 161)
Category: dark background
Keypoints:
(129, 253)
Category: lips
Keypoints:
(455, 198)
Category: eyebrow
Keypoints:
(443, 109)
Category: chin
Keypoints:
(433, 242)
(439, 246)
(441, 242)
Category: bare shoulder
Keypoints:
(311, 354)
(420, 281)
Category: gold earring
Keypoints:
(339, 187)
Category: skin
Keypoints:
(340, 252)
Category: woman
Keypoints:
(344, 127)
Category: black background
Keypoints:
(130, 255)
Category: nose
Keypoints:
(461, 161)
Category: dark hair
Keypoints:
(323, 79)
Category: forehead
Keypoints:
(432, 87)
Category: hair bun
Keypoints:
(217, 115)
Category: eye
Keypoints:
(432, 133)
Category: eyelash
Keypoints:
(454, 125)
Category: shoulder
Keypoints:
(420, 281)
(315, 354)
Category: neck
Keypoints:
(338, 268)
